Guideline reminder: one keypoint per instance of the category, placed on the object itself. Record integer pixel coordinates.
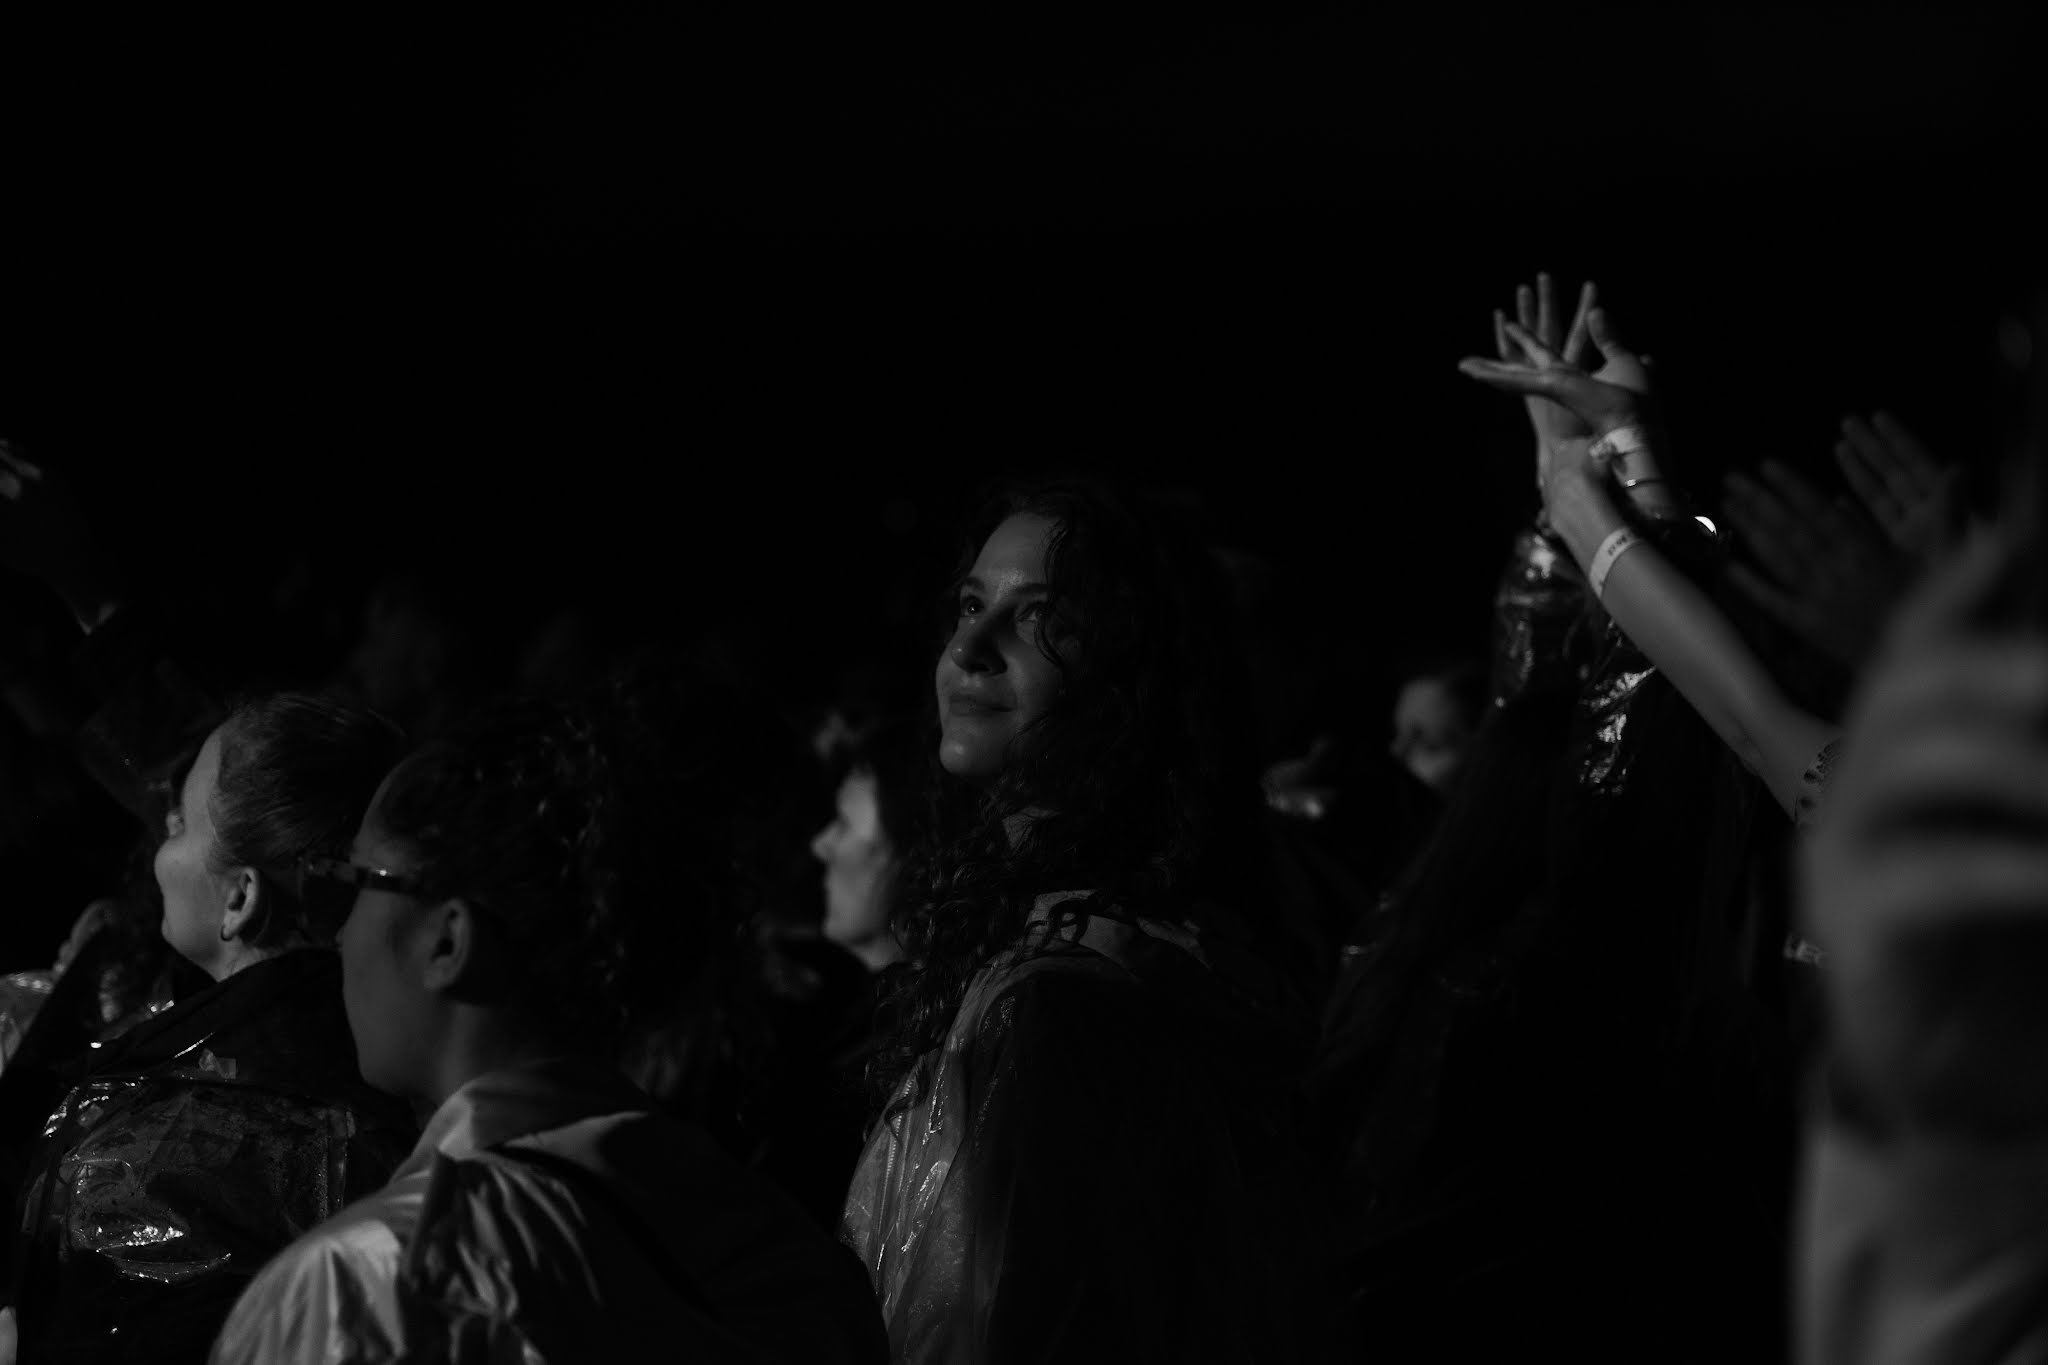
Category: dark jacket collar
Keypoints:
(278, 1024)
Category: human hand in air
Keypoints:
(44, 534)
(1820, 569)
(1615, 395)
(1913, 496)
(1536, 313)
(1926, 872)
(1597, 401)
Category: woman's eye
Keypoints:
(969, 606)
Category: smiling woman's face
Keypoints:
(992, 679)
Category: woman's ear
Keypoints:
(244, 905)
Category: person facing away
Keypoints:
(527, 889)
(1078, 1157)
(204, 1139)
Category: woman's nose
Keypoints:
(970, 651)
(821, 845)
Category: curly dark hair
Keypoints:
(1140, 777)
(296, 774)
(586, 829)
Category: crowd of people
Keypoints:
(1657, 987)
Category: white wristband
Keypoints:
(1617, 544)
(1619, 443)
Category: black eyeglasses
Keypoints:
(340, 872)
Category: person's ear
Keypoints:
(246, 901)
(449, 946)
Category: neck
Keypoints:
(235, 957)
(478, 1042)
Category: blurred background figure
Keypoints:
(825, 961)
(874, 820)
(1925, 1185)
(1436, 713)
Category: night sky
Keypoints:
(728, 313)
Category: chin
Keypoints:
(969, 763)
(973, 747)
(378, 1078)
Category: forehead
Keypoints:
(1015, 551)
(201, 777)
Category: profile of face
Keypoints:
(993, 679)
(1430, 730)
(858, 860)
(382, 947)
(197, 899)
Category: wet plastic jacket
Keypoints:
(199, 1144)
(546, 1216)
(1089, 1168)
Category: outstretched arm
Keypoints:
(1681, 630)
(1666, 615)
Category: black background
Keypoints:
(723, 309)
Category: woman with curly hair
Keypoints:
(1077, 1153)
(528, 893)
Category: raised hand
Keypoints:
(1826, 575)
(1913, 496)
(1615, 395)
(1536, 313)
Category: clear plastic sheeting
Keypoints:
(21, 995)
(166, 1180)
(1086, 1169)
(1543, 631)
(546, 1216)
